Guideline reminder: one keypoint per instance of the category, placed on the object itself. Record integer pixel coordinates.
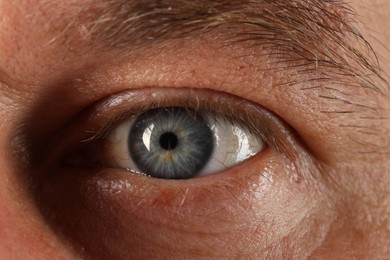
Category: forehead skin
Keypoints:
(35, 52)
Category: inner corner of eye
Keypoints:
(170, 143)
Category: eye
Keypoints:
(169, 133)
(180, 143)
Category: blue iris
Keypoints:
(171, 143)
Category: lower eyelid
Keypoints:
(113, 181)
(111, 202)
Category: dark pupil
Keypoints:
(168, 141)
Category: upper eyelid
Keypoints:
(190, 100)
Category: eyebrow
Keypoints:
(300, 33)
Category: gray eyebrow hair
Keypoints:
(300, 33)
(305, 35)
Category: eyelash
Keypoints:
(102, 118)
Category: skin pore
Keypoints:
(316, 71)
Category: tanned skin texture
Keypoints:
(310, 77)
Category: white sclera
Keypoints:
(119, 148)
(233, 144)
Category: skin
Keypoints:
(258, 209)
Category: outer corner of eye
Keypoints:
(180, 143)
